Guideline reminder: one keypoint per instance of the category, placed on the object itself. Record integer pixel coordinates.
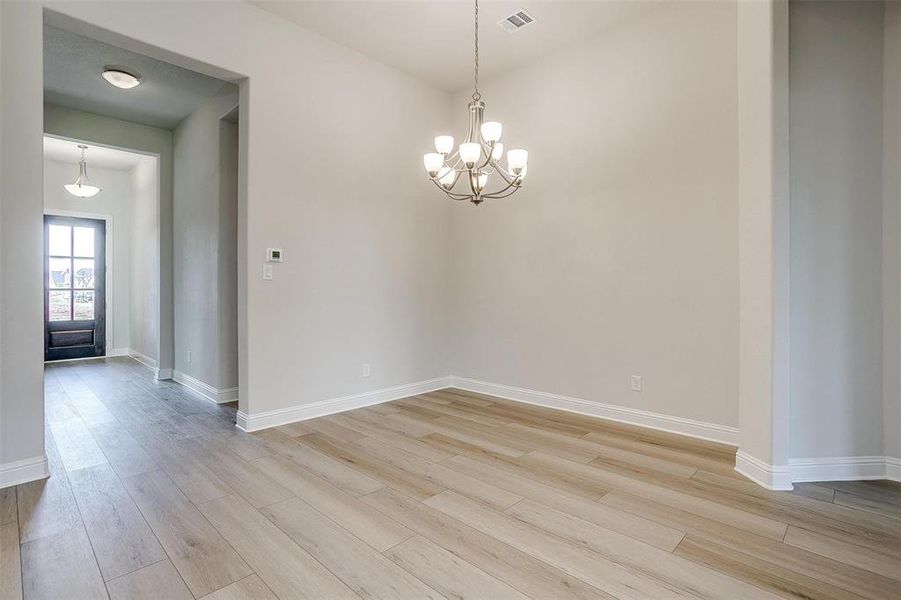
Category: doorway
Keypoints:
(74, 288)
(172, 228)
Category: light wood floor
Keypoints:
(155, 494)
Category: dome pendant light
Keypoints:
(120, 78)
(82, 187)
(479, 156)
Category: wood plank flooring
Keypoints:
(155, 494)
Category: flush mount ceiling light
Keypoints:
(119, 77)
(82, 187)
(479, 156)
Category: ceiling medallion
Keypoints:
(477, 158)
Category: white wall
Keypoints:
(151, 325)
(145, 311)
(891, 262)
(228, 255)
(114, 203)
(618, 256)
(205, 237)
(763, 240)
(836, 228)
(21, 243)
(363, 280)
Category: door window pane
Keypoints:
(84, 304)
(60, 273)
(60, 240)
(83, 241)
(83, 274)
(60, 306)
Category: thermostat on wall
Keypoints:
(273, 255)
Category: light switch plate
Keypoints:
(267, 272)
(636, 383)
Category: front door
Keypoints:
(74, 287)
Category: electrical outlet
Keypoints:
(267, 272)
(189, 356)
(636, 383)
(366, 370)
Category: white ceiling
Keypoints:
(167, 94)
(433, 39)
(65, 151)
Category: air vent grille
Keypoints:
(516, 21)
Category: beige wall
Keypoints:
(619, 255)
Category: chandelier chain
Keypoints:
(476, 95)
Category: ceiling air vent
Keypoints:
(516, 21)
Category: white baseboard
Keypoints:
(801, 470)
(151, 364)
(227, 395)
(23, 471)
(842, 468)
(893, 468)
(322, 408)
(74, 360)
(772, 477)
(205, 390)
(143, 359)
(696, 429)
(118, 352)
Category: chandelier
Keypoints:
(82, 187)
(479, 156)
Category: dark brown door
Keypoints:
(74, 287)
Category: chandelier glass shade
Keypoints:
(477, 163)
(82, 187)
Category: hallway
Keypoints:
(155, 494)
